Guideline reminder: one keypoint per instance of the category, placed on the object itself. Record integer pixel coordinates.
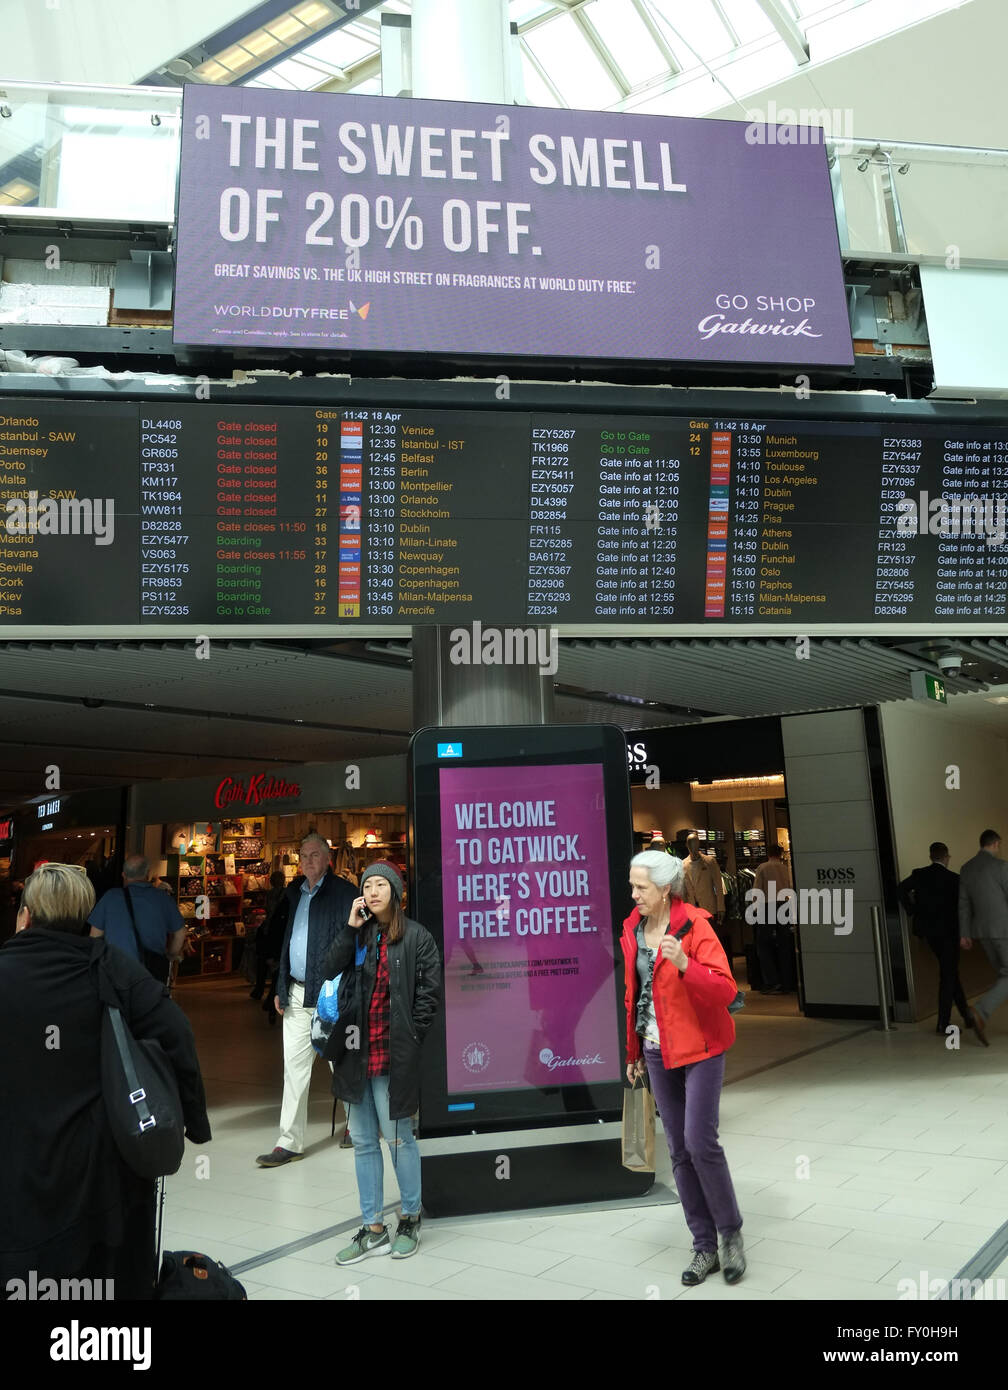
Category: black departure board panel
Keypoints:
(201, 515)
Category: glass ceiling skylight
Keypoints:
(677, 57)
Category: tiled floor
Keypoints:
(860, 1159)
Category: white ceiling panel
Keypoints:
(163, 714)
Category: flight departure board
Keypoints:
(195, 516)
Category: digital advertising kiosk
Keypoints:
(520, 843)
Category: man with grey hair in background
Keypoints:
(159, 924)
(983, 917)
(319, 907)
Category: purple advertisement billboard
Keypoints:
(392, 225)
(528, 943)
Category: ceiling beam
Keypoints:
(658, 38)
(544, 75)
(209, 715)
(719, 11)
(354, 74)
(602, 54)
(559, 7)
(787, 29)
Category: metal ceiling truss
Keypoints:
(658, 38)
(543, 75)
(787, 28)
(601, 52)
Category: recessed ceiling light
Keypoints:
(236, 58)
(286, 28)
(261, 43)
(313, 13)
(211, 71)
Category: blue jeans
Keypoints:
(688, 1100)
(368, 1121)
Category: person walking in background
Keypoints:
(269, 941)
(773, 939)
(678, 988)
(72, 1208)
(703, 886)
(158, 922)
(399, 988)
(318, 907)
(983, 917)
(931, 898)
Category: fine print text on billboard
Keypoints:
(390, 225)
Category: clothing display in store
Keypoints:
(703, 883)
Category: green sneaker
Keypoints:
(407, 1238)
(366, 1242)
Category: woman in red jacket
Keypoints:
(678, 988)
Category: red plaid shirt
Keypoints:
(378, 1017)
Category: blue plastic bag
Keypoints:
(327, 1007)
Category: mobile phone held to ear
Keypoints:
(366, 916)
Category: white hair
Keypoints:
(664, 870)
(318, 839)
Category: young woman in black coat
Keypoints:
(70, 1207)
(399, 976)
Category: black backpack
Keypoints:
(187, 1275)
(139, 1089)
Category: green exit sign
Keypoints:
(925, 687)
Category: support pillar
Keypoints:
(448, 693)
(462, 51)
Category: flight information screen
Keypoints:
(199, 515)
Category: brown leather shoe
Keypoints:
(979, 1026)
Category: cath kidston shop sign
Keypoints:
(254, 791)
(379, 224)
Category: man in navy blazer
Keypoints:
(320, 906)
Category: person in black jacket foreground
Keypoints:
(400, 985)
(318, 907)
(269, 942)
(931, 896)
(70, 1208)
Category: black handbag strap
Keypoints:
(144, 955)
(160, 1221)
(132, 916)
(137, 1094)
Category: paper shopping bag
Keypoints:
(638, 1129)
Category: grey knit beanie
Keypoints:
(389, 873)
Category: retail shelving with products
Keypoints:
(210, 908)
(247, 861)
(750, 847)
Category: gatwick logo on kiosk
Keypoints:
(259, 789)
(549, 1059)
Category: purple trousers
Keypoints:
(687, 1099)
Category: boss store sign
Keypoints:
(705, 752)
(830, 876)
